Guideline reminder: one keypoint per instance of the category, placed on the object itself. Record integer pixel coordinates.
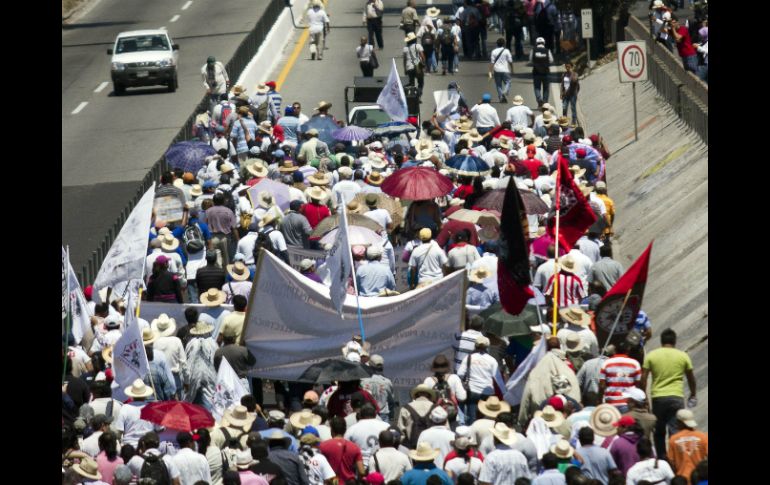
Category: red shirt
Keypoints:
(463, 191)
(339, 403)
(472, 453)
(685, 44)
(342, 456)
(315, 213)
(533, 164)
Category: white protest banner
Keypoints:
(339, 260)
(229, 390)
(129, 359)
(515, 384)
(125, 259)
(291, 324)
(392, 99)
(78, 306)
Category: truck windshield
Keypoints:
(142, 43)
(370, 118)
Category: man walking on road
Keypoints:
(215, 80)
(570, 86)
(318, 23)
(501, 64)
(541, 59)
(373, 20)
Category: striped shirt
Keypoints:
(620, 372)
(466, 343)
(571, 290)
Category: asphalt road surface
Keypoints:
(108, 142)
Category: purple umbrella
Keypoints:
(279, 191)
(188, 156)
(351, 133)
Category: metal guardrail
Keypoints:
(683, 90)
(243, 55)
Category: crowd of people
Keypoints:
(590, 413)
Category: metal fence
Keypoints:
(243, 54)
(684, 91)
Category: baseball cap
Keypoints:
(425, 234)
(376, 360)
(636, 394)
(311, 396)
(438, 415)
(482, 341)
(557, 402)
(276, 415)
(211, 60)
(687, 417)
(539, 41)
(486, 97)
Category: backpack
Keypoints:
(446, 398)
(446, 37)
(193, 238)
(428, 38)
(263, 241)
(232, 441)
(262, 112)
(154, 471)
(419, 424)
(227, 110)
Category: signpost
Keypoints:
(632, 68)
(587, 30)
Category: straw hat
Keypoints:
(586, 189)
(494, 406)
(552, 417)
(410, 37)
(563, 449)
(567, 263)
(178, 183)
(479, 274)
(149, 336)
(164, 325)
(265, 199)
(473, 135)
(138, 390)
(262, 88)
(323, 105)
(316, 193)
(213, 297)
(433, 12)
(574, 343)
(355, 207)
(267, 219)
(575, 315)
(168, 242)
(196, 190)
(422, 388)
(425, 154)
(244, 459)
(226, 167)
(107, 354)
(377, 160)
(304, 418)
(602, 418)
(87, 468)
(266, 127)
(504, 434)
(238, 417)
(547, 118)
(563, 121)
(257, 169)
(424, 451)
(518, 100)
(288, 166)
(319, 179)
(238, 271)
(201, 328)
(463, 125)
(375, 178)
(505, 142)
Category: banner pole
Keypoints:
(555, 300)
(355, 284)
(615, 323)
(69, 316)
(149, 370)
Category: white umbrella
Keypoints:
(357, 235)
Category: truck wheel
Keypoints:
(173, 84)
(119, 88)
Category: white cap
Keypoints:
(438, 415)
(539, 41)
(636, 394)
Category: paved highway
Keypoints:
(109, 142)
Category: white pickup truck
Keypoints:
(144, 58)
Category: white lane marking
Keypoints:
(174, 18)
(101, 87)
(187, 5)
(80, 107)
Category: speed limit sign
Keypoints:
(632, 61)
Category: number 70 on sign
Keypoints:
(632, 61)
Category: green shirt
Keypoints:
(667, 366)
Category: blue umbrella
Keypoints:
(394, 128)
(467, 165)
(352, 133)
(188, 155)
(325, 126)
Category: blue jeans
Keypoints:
(192, 291)
(503, 84)
(471, 405)
(566, 102)
(665, 408)
(690, 64)
(542, 87)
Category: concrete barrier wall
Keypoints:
(660, 188)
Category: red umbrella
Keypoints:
(177, 415)
(417, 183)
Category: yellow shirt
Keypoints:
(234, 321)
(667, 366)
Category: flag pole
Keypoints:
(617, 318)
(556, 244)
(136, 315)
(355, 284)
(68, 307)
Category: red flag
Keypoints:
(513, 278)
(576, 214)
(633, 280)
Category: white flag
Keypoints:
(518, 379)
(229, 390)
(129, 359)
(125, 259)
(338, 261)
(80, 322)
(392, 99)
(447, 101)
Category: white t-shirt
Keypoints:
(646, 470)
(502, 59)
(430, 259)
(485, 115)
(364, 52)
(318, 469)
(519, 115)
(316, 19)
(463, 257)
(457, 466)
(195, 261)
(483, 370)
(130, 423)
(392, 463)
(192, 466)
(366, 434)
(412, 55)
(439, 437)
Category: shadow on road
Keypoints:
(92, 25)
